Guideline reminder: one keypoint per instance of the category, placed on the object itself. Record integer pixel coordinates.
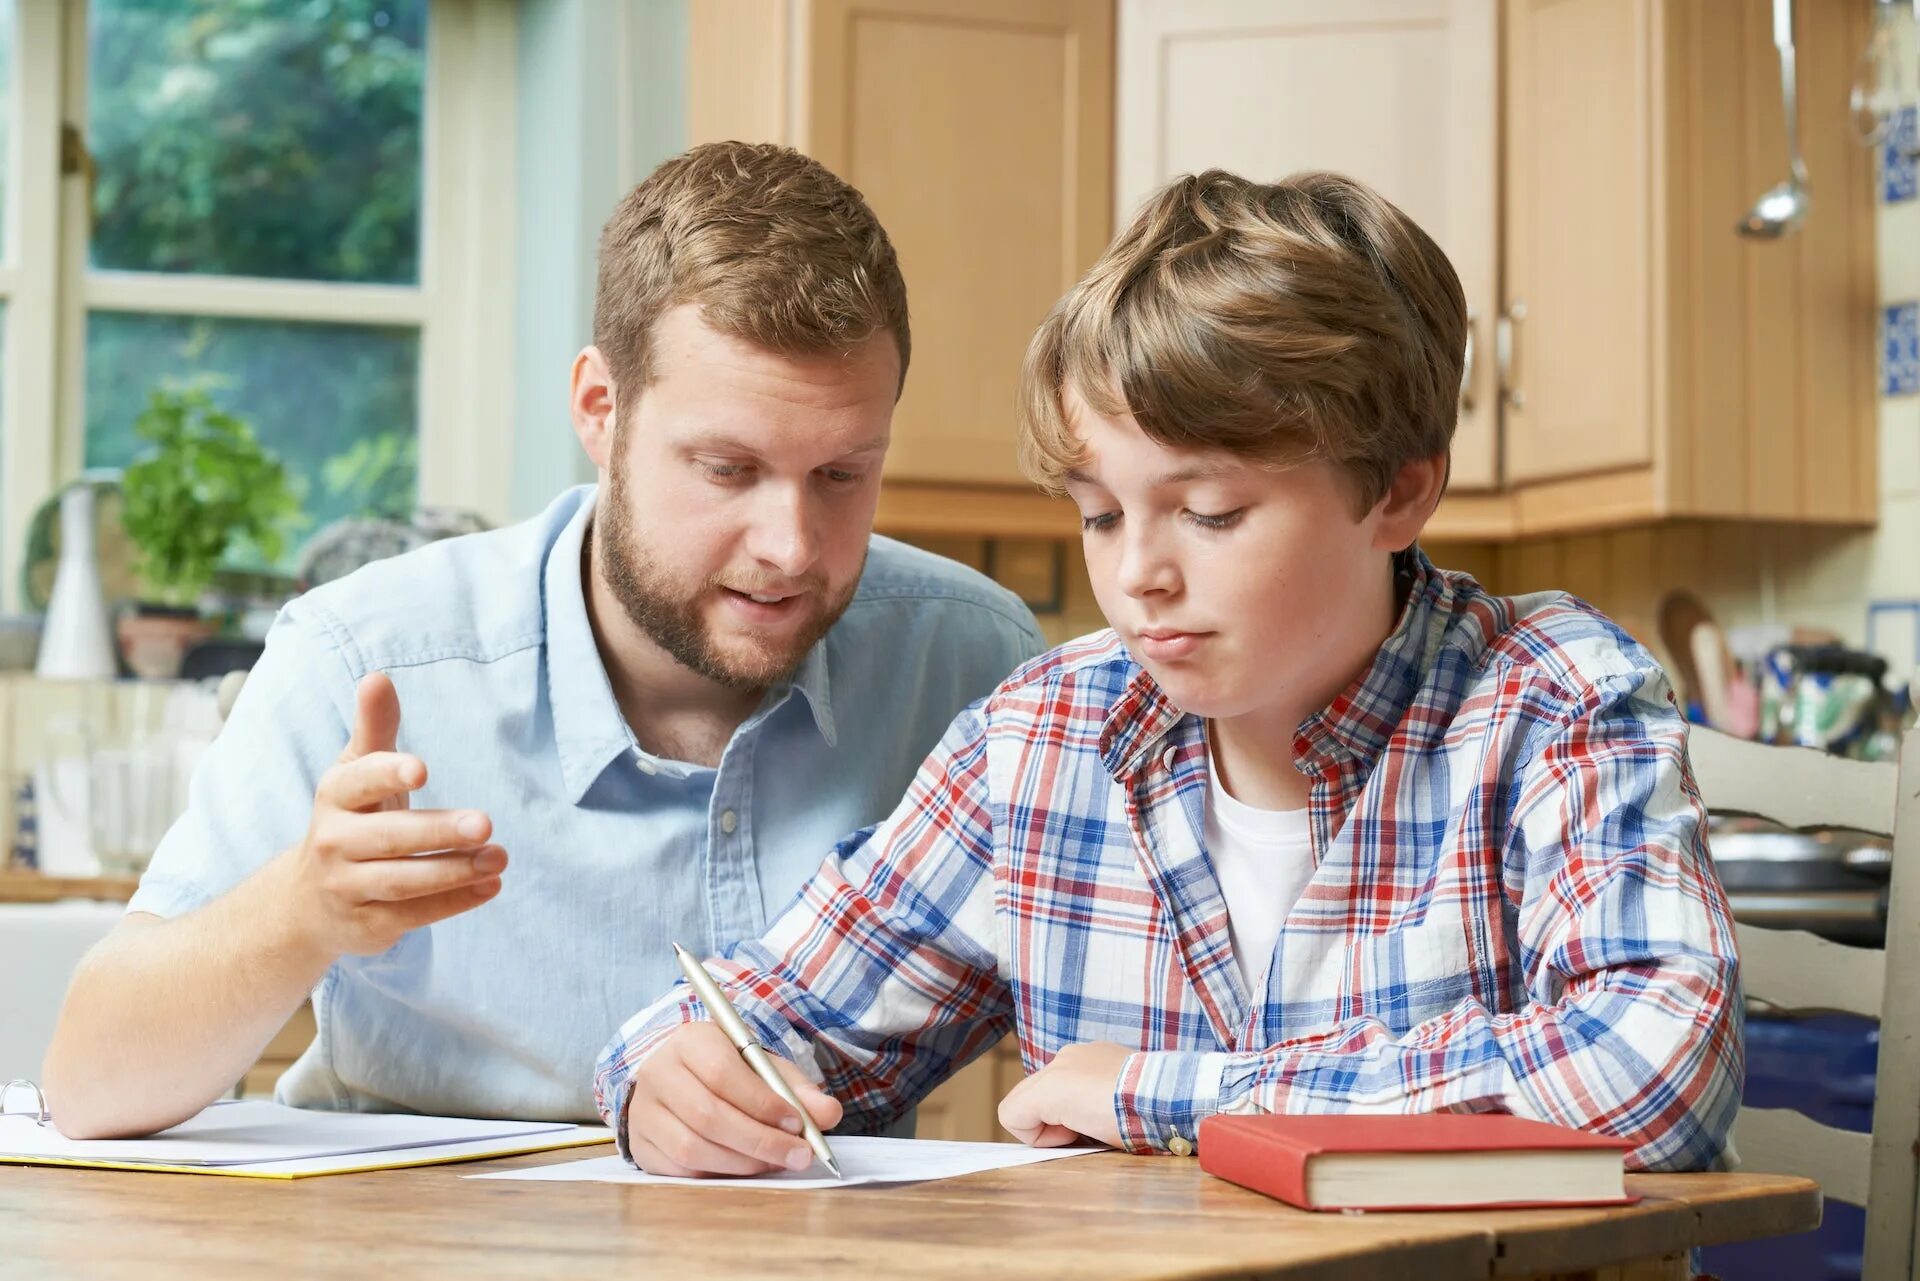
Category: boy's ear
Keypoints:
(1409, 502)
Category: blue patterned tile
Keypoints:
(1898, 177)
(1900, 350)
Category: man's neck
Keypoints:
(674, 712)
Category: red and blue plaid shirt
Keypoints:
(1512, 908)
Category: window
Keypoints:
(296, 203)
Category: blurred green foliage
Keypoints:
(269, 138)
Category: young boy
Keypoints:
(1316, 827)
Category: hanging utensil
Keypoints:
(1784, 206)
(1879, 80)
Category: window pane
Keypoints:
(257, 137)
(337, 403)
(6, 119)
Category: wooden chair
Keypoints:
(1795, 972)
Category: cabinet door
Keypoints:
(981, 133)
(1401, 94)
(1579, 236)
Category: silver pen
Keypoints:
(729, 1021)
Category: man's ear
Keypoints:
(595, 410)
(1409, 502)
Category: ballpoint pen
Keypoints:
(729, 1021)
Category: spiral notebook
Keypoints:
(252, 1138)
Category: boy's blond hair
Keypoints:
(1289, 321)
(769, 243)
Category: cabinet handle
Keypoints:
(1503, 353)
(1466, 365)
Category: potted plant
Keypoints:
(206, 487)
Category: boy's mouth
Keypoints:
(1165, 644)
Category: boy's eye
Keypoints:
(1225, 520)
(1102, 521)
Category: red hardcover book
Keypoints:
(1445, 1161)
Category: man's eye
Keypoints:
(840, 475)
(723, 471)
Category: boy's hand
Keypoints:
(1069, 1097)
(698, 1109)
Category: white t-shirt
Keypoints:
(1264, 859)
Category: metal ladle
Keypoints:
(1783, 207)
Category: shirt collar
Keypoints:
(815, 686)
(588, 727)
(1355, 727)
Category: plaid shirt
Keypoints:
(1512, 909)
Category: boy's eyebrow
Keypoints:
(1192, 472)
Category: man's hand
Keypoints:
(1069, 1098)
(698, 1109)
(371, 868)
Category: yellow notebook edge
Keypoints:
(145, 1167)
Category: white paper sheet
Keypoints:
(862, 1159)
(253, 1131)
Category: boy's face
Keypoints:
(1242, 588)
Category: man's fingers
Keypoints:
(376, 717)
(366, 782)
(414, 913)
(392, 834)
(396, 880)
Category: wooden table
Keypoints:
(1108, 1216)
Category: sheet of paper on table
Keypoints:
(864, 1160)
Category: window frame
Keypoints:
(462, 306)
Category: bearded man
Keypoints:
(641, 717)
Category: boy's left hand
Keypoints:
(1069, 1097)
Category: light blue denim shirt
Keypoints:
(614, 853)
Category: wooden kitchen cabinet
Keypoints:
(981, 133)
(1584, 163)
(1402, 94)
(1662, 365)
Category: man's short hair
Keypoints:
(1303, 319)
(771, 246)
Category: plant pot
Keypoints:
(154, 638)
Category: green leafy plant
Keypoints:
(205, 488)
(375, 476)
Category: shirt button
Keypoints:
(1179, 1146)
(1168, 757)
(646, 766)
(728, 821)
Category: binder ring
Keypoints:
(39, 1114)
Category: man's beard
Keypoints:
(671, 616)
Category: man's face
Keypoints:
(739, 495)
(1241, 587)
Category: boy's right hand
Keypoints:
(696, 1109)
(370, 868)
